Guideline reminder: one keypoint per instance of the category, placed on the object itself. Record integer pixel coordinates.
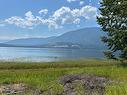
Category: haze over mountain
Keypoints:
(87, 37)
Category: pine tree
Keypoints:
(113, 21)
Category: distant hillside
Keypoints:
(86, 36)
(30, 41)
(83, 38)
(5, 45)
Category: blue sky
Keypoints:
(43, 18)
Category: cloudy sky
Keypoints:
(43, 18)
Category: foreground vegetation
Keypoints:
(45, 75)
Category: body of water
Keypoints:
(47, 54)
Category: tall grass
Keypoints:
(45, 75)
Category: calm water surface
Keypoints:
(47, 54)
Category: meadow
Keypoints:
(44, 75)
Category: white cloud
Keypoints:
(81, 2)
(18, 21)
(89, 12)
(28, 22)
(65, 15)
(71, 1)
(43, 11)
(76, 21)
(29, 15)
(58, 19)
(76, 12)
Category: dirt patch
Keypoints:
(91, 85)
(12, 88)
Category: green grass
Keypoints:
(45, 75)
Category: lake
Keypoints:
(47, 54)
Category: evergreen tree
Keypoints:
(113, 21)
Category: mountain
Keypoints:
(30, 41)
(5, 45)
(86, 38)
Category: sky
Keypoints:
(45, 18)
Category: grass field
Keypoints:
(45, 75)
